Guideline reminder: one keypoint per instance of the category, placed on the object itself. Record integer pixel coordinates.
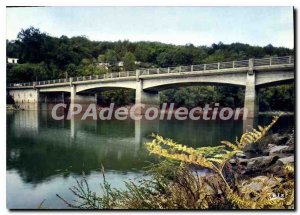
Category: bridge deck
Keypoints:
(271, 63)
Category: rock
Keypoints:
(291, 139)
(267, 157)
(277, 168)
(286, 160)
(240, 155)
(260, 163)
(232, 161)
(257, 183)
(271, 145)
(278, 150)
(280, 139)
(242, 162)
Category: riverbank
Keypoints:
(269, 156)
(259, 177)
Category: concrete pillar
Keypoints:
(96, 98)
(251, 98)
(251, 102)
(249, 123)
(72, 95)
(146, 98)
(36, 99)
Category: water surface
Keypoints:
(45, 156)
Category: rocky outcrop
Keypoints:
(286, 160)
(278, 150)
(268, 157)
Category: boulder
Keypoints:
(257, 183)
(278, 150)
(280, 139)
(271, 146)
(266, 151)
(286, 160)
(260, 163)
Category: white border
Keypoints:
(5, 3)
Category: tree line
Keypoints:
(42, 57)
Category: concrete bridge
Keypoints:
(147, 83)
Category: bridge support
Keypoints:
(37, 99)
(72, 96)
(251, 101)
(145, 98)
(27, 99)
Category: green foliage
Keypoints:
(111, 57)
(277, 98)
(27, 72)
(129, 61)
(34, 46)
(118, 96)
(199, 96)
(190, 96)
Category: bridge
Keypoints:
(252, 74)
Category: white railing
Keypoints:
(271, 61)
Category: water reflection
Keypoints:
(43, 155)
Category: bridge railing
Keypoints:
(271, 61)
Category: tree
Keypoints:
(129, 61)
(101, 58)
(33, 45)
(164, 59)
(111, 57)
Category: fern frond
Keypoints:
(155, 148)
(220, 161)
(255, 135)
(230, 145)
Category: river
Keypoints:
(45, 156)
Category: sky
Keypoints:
(177, 25)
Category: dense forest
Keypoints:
(42, 56)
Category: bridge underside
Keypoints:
(271, 78)
(147, 87)
(163, 83)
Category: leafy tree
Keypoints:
(129, 61)
(111, 57)
(101, 58)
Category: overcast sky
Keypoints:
(177, 25)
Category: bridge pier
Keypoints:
(27, 99)
(72, 96)
(251, 99)
(145, 98)
(37, 99)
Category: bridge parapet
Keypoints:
(257, 63)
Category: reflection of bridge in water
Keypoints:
(251, 74)
(39, 145)
(28, 123)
